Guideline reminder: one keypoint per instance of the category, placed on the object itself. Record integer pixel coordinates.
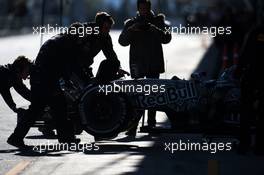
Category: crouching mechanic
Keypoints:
(58, 58)
(53, 62)
(12, 75)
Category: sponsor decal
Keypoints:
(171, 95)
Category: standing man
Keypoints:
(145, 34)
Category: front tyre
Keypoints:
(103, 116)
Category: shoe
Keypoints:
(16, 142)
(49, 133)
(98, 139)
(131, 133)
(127, 139)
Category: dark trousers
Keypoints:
(46, 93)
(151, 113)
(247, 112)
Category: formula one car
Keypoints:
(105, 110)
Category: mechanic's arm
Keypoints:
(165, 36)
(8, 99)
(108, 50)
(126, 35)
(22, 89)
(111, 55)
(162, 30)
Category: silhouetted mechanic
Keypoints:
(58, 58)
(12, 75)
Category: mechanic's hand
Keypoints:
(153, 28)
(135, 27)
(20, 110)
(123, 73)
